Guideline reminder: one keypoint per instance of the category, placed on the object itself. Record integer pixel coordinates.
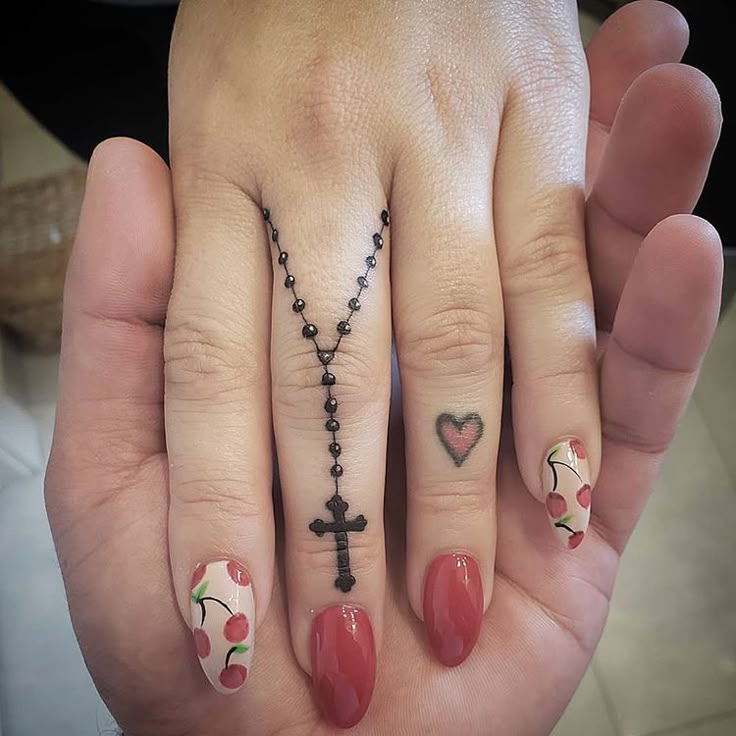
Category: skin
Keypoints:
(469, 121)
(108, 485)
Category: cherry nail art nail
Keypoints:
(453, 607)
(343, 664)
(566, 478)
(223, 621)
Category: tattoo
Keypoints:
(459, 434)
(340, 526)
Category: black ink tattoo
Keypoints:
(459, 434)
(340, 526)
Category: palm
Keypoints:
(532, 596)
(547, 612)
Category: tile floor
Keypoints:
(666, 665)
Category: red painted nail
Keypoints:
(343, 663)
(453, 607)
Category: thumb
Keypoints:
(106, 484)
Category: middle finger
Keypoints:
(330, 356)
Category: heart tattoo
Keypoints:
(459, 435)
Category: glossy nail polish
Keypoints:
(453, 606)
(343, 663)
(566, 478)
(223, 622)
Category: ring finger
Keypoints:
(449, 334)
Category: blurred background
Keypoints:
(666, 665)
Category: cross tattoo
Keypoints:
(340, 528)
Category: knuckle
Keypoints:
(572, 373)
(206, 189)
(648, 440)
(202, 358)
(452, 96)
(552, 257)
(569, 373)
(216, 498)
(468, 498)
(299, 375)
(209, 166)
(454, 340)
(561, 70)
(554, 62)
(330, 102)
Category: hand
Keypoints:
(470, 119)
(107, 484)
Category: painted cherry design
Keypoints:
(575, 539)
(233, 676)
(556, 505)
(565, 518)
(583, 496)
(212, 596)
(202, 643)
(578, 448)
(238, 574)
(236, 628)
(199, 572)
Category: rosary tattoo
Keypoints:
(340, 525)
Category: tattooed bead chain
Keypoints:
(340, 526)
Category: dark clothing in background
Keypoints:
(711, 40)
(88, 71)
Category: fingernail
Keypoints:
(566, 478)
(223, 622)
(343, 664)
(453, 607)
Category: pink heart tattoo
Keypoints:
(459, 435)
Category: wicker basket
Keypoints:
(38, 220)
